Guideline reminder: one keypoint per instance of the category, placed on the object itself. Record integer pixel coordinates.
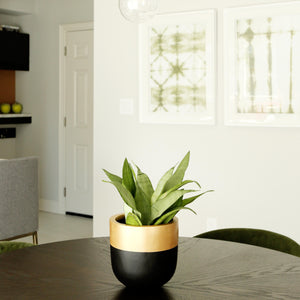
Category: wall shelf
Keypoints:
(15, 119)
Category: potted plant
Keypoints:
(144, 240)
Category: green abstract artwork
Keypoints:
(177, 68)
(267, 64)
(262, 65)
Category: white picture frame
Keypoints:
(261, 65)
(177, 68)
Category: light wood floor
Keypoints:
(56, 227)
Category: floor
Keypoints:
(56, 227)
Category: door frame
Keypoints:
(63, 30)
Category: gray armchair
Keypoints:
(19, 198)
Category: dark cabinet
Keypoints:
(14, 51)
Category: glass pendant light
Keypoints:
(138, 11)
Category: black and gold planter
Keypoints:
(143, 256)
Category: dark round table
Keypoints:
(206, 269)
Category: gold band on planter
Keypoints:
(152, 238)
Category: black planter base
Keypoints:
(143, 269)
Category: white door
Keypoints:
(79, 122)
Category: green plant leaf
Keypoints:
(133, 219)
(144, 182)
(132, 171)
(127, 209)
(143, 204)
(167, 217)
(112, 177)
(161, 184)
(162, 204)
(178, 203)
(143, 193)
(136, 212)
(178, 175)
(176, 187)
(191, 199)
(125, 194)
(128, 180)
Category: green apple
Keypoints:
(17, 108)
(5, 108)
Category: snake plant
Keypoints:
(144, 205)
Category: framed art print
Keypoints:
(262, 65)
(177, 68)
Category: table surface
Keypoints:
(206, 269)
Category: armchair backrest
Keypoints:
(18, 197)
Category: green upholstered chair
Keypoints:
(11, 246)
(256, 237)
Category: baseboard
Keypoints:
(49, 206)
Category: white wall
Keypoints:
(254, 171)
(38, 89)
(7, 148)
(4, 18)
(18, 7)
